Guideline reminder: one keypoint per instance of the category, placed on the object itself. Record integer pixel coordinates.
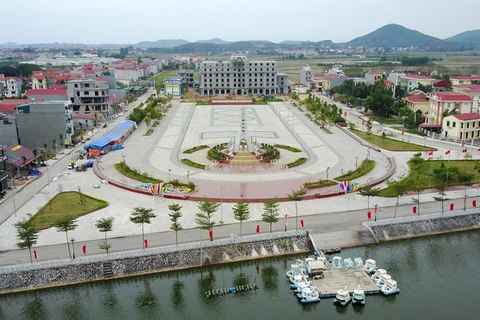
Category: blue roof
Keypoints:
(116, 133)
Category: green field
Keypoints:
(390, 144)
(165, 74)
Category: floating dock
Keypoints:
(230, 290)
(336, 279)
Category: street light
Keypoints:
(169, 179)
(188, 176)
(285, 222)
(221, 204)
(375, 209)
(73, 247)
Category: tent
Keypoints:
(114, 137)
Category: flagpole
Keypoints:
(431, 166)
(448, 167)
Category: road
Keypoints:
(322, 223)
(20, 196)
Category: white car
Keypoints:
(72, 166)
(121, 114)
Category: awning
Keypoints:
(430, 126)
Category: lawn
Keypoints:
(165, 74)
(422, 171)
(65, 203)
(390, 144)
(135, 174)
(365, 167)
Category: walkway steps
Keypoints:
(107, 270)
(244, 158)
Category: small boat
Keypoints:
(332, 250)
(296, 268)
(343, 297)
(390, 287)
(378, 274)
(310, 296)
(358, 262)
(302, 285)
(370, 266)
(337, 262)
(358, 296)
(348, 263)
(301, 291)
(298, 277)
(383, 280)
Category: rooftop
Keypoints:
(467, 116)
(416, 76)
(450, 96)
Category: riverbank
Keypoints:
(126, 264)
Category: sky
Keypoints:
(132, 21)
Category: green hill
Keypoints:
(394, 35)
(469, 37)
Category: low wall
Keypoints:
(401, 228)
(85, 269)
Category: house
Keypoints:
(306, 76)
(412, 81)
(7, 106)
(441, 102)
(462, 126)
(418, 93)
(89, 96)
(471, 90)
(390, 86)
(441, 85)
(426, 71)
(12, 87)
(458, 80)
(174, 87)
(83, 121)
(416, 103)
(8, 130)
(39, 82)
(47, 94)
(373, 77)
(19, 157)
(325, 82)
(395, 77)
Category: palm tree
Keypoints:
(64, 224)
(141, 216)
(204, 217)
(368, 192)
(105, 225)
(241, 212)
(296, 196)
(27, 235)
(174, 216)
(270, 212)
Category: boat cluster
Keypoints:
(303, 288)
(340, 263)
(387, 285)
(226, 291)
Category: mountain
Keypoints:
(214, 41)
(470, 37)
(293, 42)
(164, 43)
(394, 35)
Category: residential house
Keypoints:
(390, 86)
(471, 90)
(187, 75)
(83, 121)
(373, 77)
(12, 87)
(89, 96)
(445, 101)
(425, 71)
(458, 80)
(395, 77)
(411, 81)
(173, 87)
(325, 82)
(8, 130)
(39, 82)
(462, 126)
(19, 157)
(306, 76)
(416, 103)
(7, 106)
(441, 85)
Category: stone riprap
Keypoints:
(393, 229)
(19, 278)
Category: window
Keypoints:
(457, 106)
(461, 125)
(468, 125)
(87, 85)
(96, 93)
(76, 85)
(454, 124)
(448, 123)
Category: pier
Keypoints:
(336, 279)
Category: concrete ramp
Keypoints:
(349, 238)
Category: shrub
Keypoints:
(149, 132)
(135, 174)
(297, 162)
(197, 148)
(365, 167)
(270, 152)
(193, 163)
(281, 146)
(319, 184)
(214, 153)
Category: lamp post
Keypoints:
(188, 176)
(73, 247)
(285, 222)
(169, 178)
(375, 209)
(221, 204)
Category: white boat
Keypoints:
(310, 296)
(390, 287)
(370, 266)
(358, 296)
(358, 262)
(383, 280)
(302, 285)
(348, 263)
(303, 289)
(337, 262)
(343, 297)
(378, 274)
(299, 278)
(296, 268)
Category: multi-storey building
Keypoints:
(89, 96)
(242, 77)
(306, 76)
(440, 102)
(12, 87)
(462, 126)
(188, 76)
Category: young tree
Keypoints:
(241, 212)
(174, 216)
(27, 235)
(399, 189)
(54, 147)
(368, 192)
(465, 178)
(204, 217)
(369, 126)
(60, 136)
(296, 196)
(105, 225)
(148, 120)
(141, 216)
(417, 187)
(270, 212)
(65, 224)
(35, 153)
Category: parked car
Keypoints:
(72, 166)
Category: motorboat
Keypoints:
(390, 287)
(348, 263)
(358, 296)
(332, 250)
(384, 278)
(370, 266)
(343, 297)
(310, 296)
(358, 262)
(378, 274)
(337, 262)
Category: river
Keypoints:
(437, 275)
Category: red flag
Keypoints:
(35, 254)
(474, 203)
(430, 153)
(369, 215)
(84, 249)
(257, 230)
(302, 223)
(210, 234)
(463, 143)
(464, 150)
(414, 210)
(452, 206)
(447, 152)
(478, 149)
(145, 243)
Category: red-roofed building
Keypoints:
(47, 94)
(418, 93)
(447, 101)
(39, 82)
(471, 90)
(8, 106)
(462, 126)
(372, 77)
(19, 157)
(416, 103)
(441, 85)
(458, 80)
(57, 86)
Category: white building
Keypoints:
(306, 76)
(462, 126)
(12, 87)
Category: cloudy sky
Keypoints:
(132, 21)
